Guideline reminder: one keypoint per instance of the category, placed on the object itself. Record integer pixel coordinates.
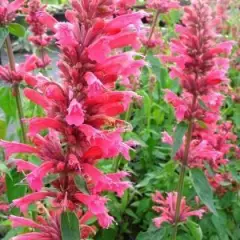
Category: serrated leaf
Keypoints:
(81, 184)
(178, 137)
(70, 227)
(195, 230)
(16, 29)
(3, 35)
(203, 189)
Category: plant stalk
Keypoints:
(15, 88)
(183, 170)
(152, 31)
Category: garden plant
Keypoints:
(120, 120)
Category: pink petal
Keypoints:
(23, 222)
(65, 35)
(15, 147)
(75, 113)
(89, 131)
(25, 201)
(48, 20)
(95, 86)
(36, 97)
(99, 50)
(15, 5)
(38, 124)
(166, 138)
(23, 165)
(35, 178)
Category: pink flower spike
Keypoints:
(75, 113)
(163, 6)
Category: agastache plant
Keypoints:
(39, 36)
(7, 15)
(81, 117)
(160, 7)
(200, 63)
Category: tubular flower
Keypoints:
(81, 111)
(200, 63)
(8, 10)
(167, 208)
(48, 229)
(22, 70)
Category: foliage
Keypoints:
(153, 166)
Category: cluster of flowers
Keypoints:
(32, 62)
(39, 36)
(149, 37)
(81, 116)
(200, 64)
(8, 10)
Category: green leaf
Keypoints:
(202, 104)
(152, 234)
(203, 188)
(107, 234)
(16, 29)
(4, 169)
(8, 103)
(202, 124)
(3, 35)
(178, 136)
(13, 232)
(195, 230)
(220, 224)
(70, 227)
(3, 129)
(81, 184)
(14, 190)
(155, 66)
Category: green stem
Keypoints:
(182, 171)
(15, 88)
(152, 31)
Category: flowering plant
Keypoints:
(118, 80)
